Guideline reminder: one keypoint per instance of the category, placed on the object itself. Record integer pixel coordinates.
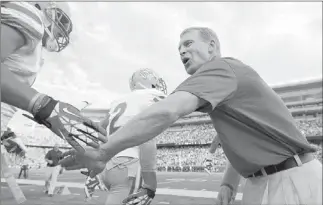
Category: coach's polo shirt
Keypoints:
(255, 127)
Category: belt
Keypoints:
(296, 160)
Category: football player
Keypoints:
(208, 160)
(208, 164)
(27, 28)
(119, 175)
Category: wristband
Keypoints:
(33, 101)
(146, 186)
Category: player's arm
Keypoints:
(231, 179)
(41, 106)
(148, 161)
(13, 91)
(203, 92)
(151, 122)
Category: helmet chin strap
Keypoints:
(50, 42)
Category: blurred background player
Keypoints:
(25, 166)
(208, 162)
(120, 173)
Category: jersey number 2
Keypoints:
(120, 109)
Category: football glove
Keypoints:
(143, 197)
(67, 122)
(90, 185)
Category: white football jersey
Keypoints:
(25, 62)
(125, 108)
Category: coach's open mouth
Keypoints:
(185, 60)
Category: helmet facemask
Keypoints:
(58, 28)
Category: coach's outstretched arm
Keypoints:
(151, 122)
(203, 91)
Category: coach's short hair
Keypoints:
(206, 33)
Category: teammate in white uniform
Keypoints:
(39, 29)
(120, 173)
(26, 27)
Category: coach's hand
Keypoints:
(225, 196)
(68, 123)
(75, 160)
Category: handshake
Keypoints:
(84, 135)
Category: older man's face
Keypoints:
(194, 51)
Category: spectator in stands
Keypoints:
(53, 169)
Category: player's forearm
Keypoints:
(139, 130)
(231, 177)
(148, 161)
(150, 180)
(14, 92)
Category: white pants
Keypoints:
(51, 174)
(296, 186)
(119, 177)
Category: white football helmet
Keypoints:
(146, 78)
(57, 23)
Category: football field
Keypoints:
(173, 188)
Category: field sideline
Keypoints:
(173, 188)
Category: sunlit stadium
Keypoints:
(154, 103)
(182, 148)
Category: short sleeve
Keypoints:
(24, 17)
(215, 82)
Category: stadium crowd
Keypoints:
(192, 153)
